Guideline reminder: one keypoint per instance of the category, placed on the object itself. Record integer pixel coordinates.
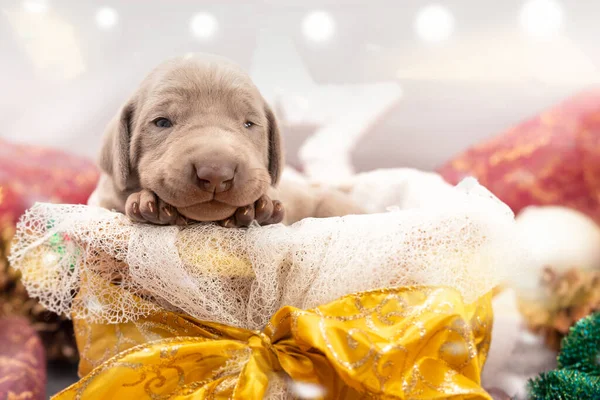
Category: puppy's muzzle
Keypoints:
(215, 178)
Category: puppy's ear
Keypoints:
(114, 156)
(275, 147)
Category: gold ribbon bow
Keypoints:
(412, 342)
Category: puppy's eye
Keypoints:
(249, 124)
(163, 123)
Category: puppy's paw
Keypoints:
(264, 211)
(146, 207)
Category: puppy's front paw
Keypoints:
(146, 207)
(264, 211)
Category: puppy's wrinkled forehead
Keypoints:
(185, 86)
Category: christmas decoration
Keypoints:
(551, 159)
(29, 174)
(567, 297)
(560, 237)
(22, 361)
(55, 331)
(578, 373)
(563, 284)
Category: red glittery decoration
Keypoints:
(551, 159)
(29, 174)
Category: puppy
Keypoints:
(197, 142)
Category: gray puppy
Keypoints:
(198, 142)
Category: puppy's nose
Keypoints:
(215, 178)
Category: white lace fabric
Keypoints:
(241, 277)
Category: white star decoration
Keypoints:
(343, 113)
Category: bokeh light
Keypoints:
(318, 26)
(204, 25)
(434, 23)
(541, 19)
(106, 18)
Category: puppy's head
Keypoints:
(199, 134)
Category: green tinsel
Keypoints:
(578, 373)
(565, 384)
(580, 349)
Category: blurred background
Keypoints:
(417, 80)
(357, 85)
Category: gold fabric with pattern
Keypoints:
(417, 342)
